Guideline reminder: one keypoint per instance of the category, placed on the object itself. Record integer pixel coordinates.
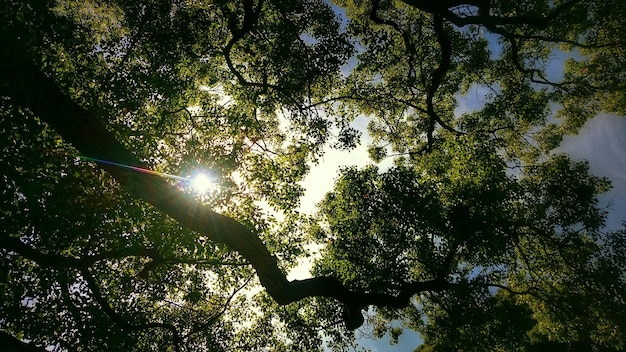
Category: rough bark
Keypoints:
(27, 86)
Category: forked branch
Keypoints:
(30, 88)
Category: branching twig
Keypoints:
(121, 321)
(438, 74)
(214, 317)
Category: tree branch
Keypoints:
(250, 18)
(485, 19)
(532, 291)
(441, 6)
(406, 37)
(123, 322)
(438, 75)
(59, 261)
(12, 344)
(32, 89)
(496, 25)
(215, 316)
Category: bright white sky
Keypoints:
(321, 178)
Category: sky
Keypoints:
(601, 142)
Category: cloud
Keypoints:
(602, 142)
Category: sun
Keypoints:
(202, 183)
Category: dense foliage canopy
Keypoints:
(479, 235)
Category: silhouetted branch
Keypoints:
(484, 18)
(12, 344)
(406, 35)
(214, 317)
(438, 75)
(30, 88)
(123, 322)
(250, 19)
(56, 260)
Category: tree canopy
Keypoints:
(480, 235)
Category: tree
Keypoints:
(480, 236)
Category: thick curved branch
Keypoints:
(438, 76)
(406, 36)
(444, 10)
(484, 18)
(30, 88)
(250, 18)
(12, 344)
(355, 301)
(495, 24)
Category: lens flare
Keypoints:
(202, 183)
(134, 168)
